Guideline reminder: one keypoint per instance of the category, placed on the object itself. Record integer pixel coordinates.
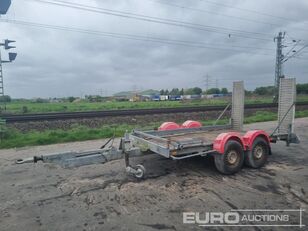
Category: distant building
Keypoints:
(175, 97)
(195, 96)
(139, 98)
(211, 96)
(155, 97)
(164, 97)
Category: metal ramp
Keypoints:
(286, 105)
(286, 112)
(237, 114)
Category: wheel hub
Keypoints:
(232, 157)
(258, 152)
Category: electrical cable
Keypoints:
(132, 37)
(221, 30)
(220, 14)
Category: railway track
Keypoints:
(91, 114)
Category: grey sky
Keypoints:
(53, 63)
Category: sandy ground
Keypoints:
(102, 197)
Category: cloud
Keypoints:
(54, 63)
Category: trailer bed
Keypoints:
(180, 142)
(205, 137)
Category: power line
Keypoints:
(224, 78)
(292, 48)
(266, 80)
(300, 41)
(294, 54)
(132, 36)
(221, 30)
(220, 14)
(249, 10)
(300, 58)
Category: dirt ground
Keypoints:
(102, 197)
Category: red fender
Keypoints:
(191, 124)
(223, 138)
(168, 126)
(250, 136)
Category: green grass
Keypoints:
(17, 107)
(260, 116)
(32, 107)
(15, 138)
(263, 116)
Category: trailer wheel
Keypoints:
(140, 171)
(257, 156)
(232, 160)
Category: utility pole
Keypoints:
(279, 61)
(207, 82)
(1, 78)
(12, 57)
(4, 7)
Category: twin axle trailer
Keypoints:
(230, 146)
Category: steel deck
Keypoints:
(172, 143)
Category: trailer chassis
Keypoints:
(230, 144)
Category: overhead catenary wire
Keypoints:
(220, 14)
(299, 40)
(294, 54)
(171, 22)
(249, 10)
(292, 48)
(300, 58)
(222, 78)
(131, 36)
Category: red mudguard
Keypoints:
(246, 141)
(191, 124)
(168, 126)
(250, 136)
(173, 125)
(222, 139)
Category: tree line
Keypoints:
(301, 88)
(267, 90)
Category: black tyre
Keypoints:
(232, 160)
(257, 156)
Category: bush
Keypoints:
(40, 100)
(71, 99)
(302, 88)
(269, 90)
(5, 99)
(24, 109)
